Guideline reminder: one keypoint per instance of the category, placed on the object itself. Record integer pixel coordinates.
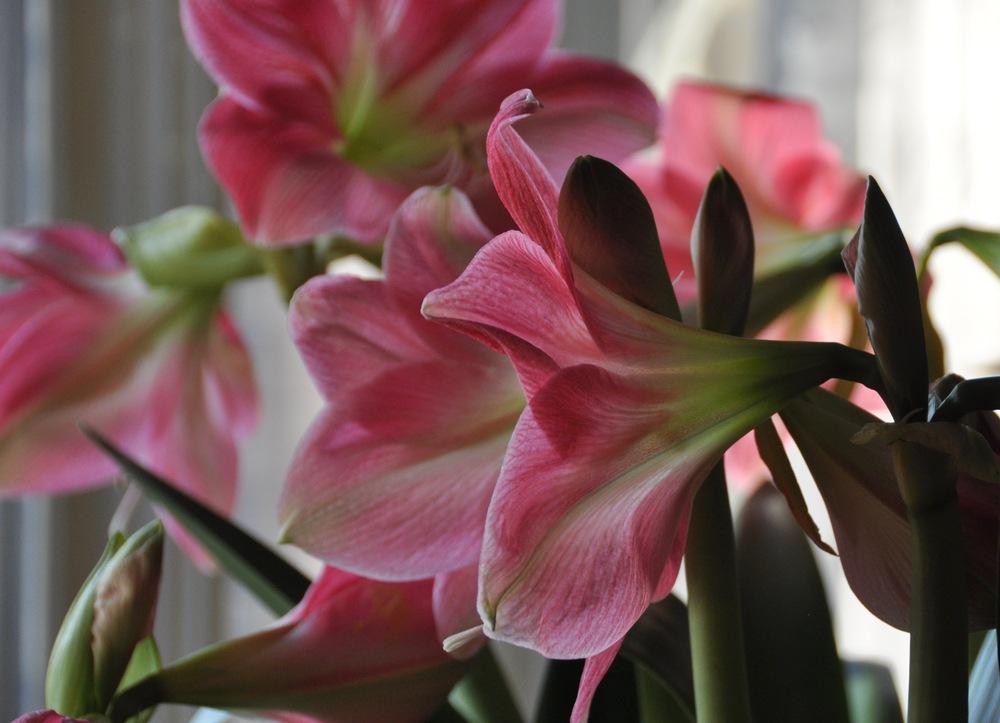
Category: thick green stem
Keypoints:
(717, 652)
(939, 641)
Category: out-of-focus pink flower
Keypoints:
(353, 650)
(47, 716)
(629, 409)
(333, 112)
(394, 477)
(795, 184)
(161, 373)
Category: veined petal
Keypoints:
(430, 437)
(594, 671)
(513, 287)
(455, 607)
(463, 56)
(279, 55)
(431, 240)
(522, 182)
(354, 650)
(286, 181)
(591, 106)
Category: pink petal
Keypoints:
(354, 650)
(465, 56)
(287, 183)
(522, 182)
(46, 716)
(431, 240)
(591, 107)
(350, 330)
(514, 288)
(428, 436)
(587, 523)
(455, 607)
(594, 671)
(281, 55)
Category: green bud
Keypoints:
(189, 247)
(109, 617)
(124, 607)
(69, 680)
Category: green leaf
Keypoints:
(773, 294)
(69, 679)
(660, 646)
(984, 244)
(274, 582)
(871, 693)
(792, 662)
(879, 260)
(722, 249)
(483, 695)
(657, 703)
(145, 661)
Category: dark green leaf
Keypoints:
(722, 249)
(984, 244)
(145, 661)
(792, 663)
(871, 693)
(614, 700)
(879, 260)
(610, 233)
(269, 577)
(660, 644)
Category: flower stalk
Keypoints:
(720, 678)
(939, 643)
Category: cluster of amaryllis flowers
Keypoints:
(527, 411)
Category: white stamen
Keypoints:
(460, 640)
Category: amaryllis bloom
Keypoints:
(162, 373)
(332, 112)
(353, 650)
(794, 182)
(394, 477)
(47, 716)
(629, 410)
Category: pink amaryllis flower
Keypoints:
(82, 339)
(47, 716)
(394, 477)
(333, 112)
(630, 409)
(353, 650)
(793, 179)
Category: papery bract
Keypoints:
(333, 112)
(163, 374)
(353, 650)
(869, 517)
(394, 477)
(588, 521)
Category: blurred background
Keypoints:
(100, 102)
